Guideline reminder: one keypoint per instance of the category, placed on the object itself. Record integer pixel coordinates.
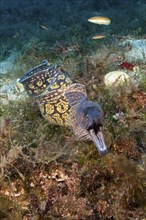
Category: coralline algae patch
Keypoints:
(136, 51)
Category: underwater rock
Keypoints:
(9, 92)
(8, 64)
(8, 89)
(137, 49)
(116, 78)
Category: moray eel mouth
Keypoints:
(99, 142)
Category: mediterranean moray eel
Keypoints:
(63, 102)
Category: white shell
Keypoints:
(116, 78)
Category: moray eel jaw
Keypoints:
(90, 119)
(98, 140)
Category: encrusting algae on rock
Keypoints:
(63, 102)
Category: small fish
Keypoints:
(100, 20)
(98, 36)
(44, 27)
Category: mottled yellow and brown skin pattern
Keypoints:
(54, 107)
(57, 96)
(56, 104)
(54, 92)
(52, 102)
(37, 80)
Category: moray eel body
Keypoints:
(65, 103)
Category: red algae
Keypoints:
(126, 65)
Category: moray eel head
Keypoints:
(90, 118)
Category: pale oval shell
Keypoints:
(116, 78)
